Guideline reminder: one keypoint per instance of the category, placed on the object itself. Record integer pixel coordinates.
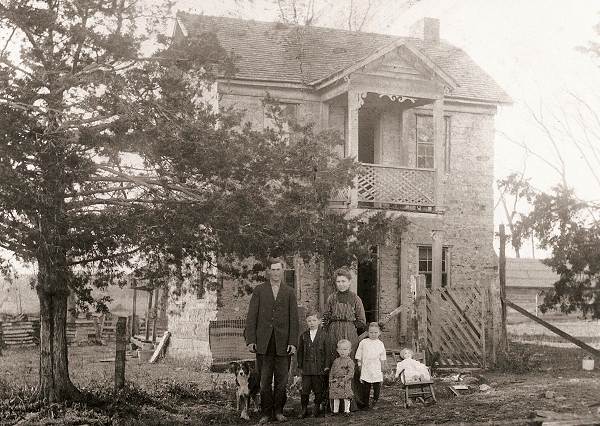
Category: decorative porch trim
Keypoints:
(398, 98)
(362, 96)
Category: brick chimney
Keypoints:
(427, 29)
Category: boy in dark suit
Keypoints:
(272, 333)
(312, 363)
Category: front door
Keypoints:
(367, 286)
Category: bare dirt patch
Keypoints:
(180, 393)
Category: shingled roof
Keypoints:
(277, 52)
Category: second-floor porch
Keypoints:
(401, 143)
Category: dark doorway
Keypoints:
(367, 287)
(366, 136)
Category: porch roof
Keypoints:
(277, 52)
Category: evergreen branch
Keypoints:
(8, 41)
(14, 18)
(103, 257)
(26, 107)
(144, 181)
(96, 202)
(17, 68)
(100, 191)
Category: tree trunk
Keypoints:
(54, 275)
(52, 289)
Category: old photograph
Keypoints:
(338, 212)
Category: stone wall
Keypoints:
(189, 318)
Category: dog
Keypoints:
(247, 387)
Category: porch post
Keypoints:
(351, 149)
(439, 133)
(436, 284)
(324, 116)
(436, 257)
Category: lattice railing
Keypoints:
(396, 185)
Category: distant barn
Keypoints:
(526, 281)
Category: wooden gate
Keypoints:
(451, 324)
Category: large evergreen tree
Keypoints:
(109, 162)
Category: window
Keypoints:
(288, 111)
(426, 264)
(425, 141)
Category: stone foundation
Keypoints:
(189, 319)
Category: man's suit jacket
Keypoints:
(267, 316)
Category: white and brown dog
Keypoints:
(247, 387)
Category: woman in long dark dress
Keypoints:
(344, 318)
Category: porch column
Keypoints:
(436, 258)
(324, 116)
(351, 149)
(439, 134)
(436, 283)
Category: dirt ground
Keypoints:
(542, 378)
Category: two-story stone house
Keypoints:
(418, 114)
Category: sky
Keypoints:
(528, 47)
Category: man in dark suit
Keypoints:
(272, 333)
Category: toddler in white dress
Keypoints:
(371, 357)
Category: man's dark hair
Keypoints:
(273, 260)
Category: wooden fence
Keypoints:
(451, 323)
(21, 333)
(80, 330)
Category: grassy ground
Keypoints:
(179, 393)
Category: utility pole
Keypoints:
(502, 274)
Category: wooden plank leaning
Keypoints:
(554, 329)
(161, 346)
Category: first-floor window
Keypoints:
(426, 265)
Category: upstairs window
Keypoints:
(425, 141)
(426, 265)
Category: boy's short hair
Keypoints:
(374, 325)
(313, 313)
(344, 342)
(344, 272)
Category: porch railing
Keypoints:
(392, 186)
